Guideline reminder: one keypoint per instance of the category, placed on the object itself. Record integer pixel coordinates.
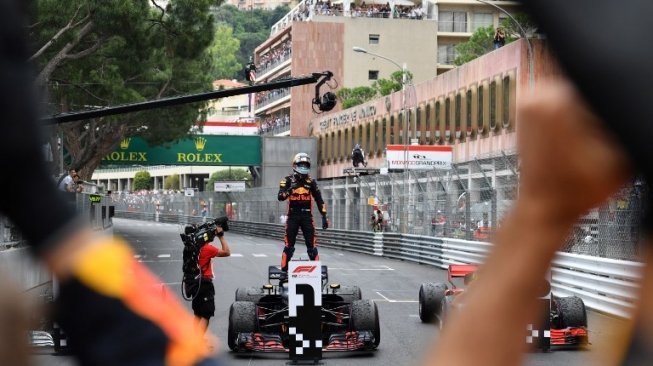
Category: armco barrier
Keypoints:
(605, 285)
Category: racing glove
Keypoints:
(116, 312)
(325, 222)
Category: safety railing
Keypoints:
(605, 285)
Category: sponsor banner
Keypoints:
(195, 150)
(419, 157)
(305, 310)
(229, 186)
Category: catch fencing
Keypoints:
(465, 202)
(606, 285)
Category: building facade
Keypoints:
(320, 36)
(471, 108)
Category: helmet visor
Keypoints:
(303, 167)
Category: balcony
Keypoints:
(271, 99)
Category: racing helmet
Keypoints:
(357, 146)
(301, 163)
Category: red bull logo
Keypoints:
(300, 190)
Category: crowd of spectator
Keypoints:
(266, 97)
(274, 123)
(274, 57)
(370, 11)
(361, 10)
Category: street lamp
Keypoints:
(522, 33)
(404, 220)
(403, 86)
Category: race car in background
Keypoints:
(258, 319)
(567, 315)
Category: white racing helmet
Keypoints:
(301, 163)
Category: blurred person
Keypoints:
(358, 156)
(556, 125)
(499, 38)
(109, 304)
(593, 163)
(77, 186)
(67, 180)
(300, 190)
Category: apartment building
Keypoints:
(319, 36)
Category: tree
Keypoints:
(93, 53)
(250, 27)
(223, 54)
(142, 181)
(388, 86)
(480, 43)
(512, 30)
(239, 174)
(351, 97)
(171, 182)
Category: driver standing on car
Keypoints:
(300, 190)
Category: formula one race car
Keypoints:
(258, 319)
(568, 317)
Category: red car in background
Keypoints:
(567, 315)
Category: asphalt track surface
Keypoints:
(392, 284)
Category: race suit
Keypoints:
(300, 192)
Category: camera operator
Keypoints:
(204, 302)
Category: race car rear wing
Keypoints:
(461, 270)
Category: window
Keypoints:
(373, 75)
(458, 111)
(452, 21)
(493, 104)
(482, 20)
(438, 120)
(447, 54)
(480, 123)
(374, 39)
(468, 110)
(506, 101)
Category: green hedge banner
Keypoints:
(198, 150)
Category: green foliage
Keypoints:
(480, 43)
(121, 51)
(239, 174)
(250, 27)
(512, 30)
(223, 53)
(351, 97)
(142, 180)
(171, 182)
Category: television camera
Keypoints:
(198, 234)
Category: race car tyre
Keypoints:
(364, 316)
(242, 319)
(572, 311)
(349, 294)
(430, 301)
(253, 294)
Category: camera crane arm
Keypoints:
(318, 77)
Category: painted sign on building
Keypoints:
(419, 157)
(347, 117)
(196, 150)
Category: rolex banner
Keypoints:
(196, 150)
(419, 157)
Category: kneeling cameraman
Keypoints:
(204, 300)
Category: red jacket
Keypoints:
(207, 252)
